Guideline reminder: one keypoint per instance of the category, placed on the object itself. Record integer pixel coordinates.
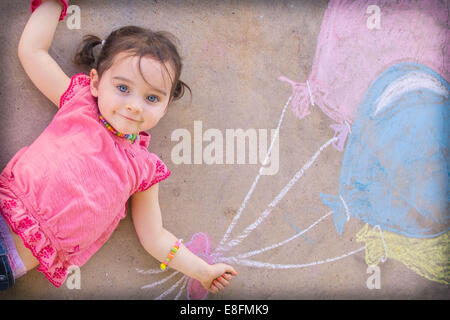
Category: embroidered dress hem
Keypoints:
(28, 228)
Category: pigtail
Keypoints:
(85, 55)
(180, 89)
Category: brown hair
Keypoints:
(139, 42)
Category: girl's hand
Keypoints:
(219, 277)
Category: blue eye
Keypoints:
(153, 98)
(123, 86)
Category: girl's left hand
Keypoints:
(219, 277)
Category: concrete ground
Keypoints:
(233, 54)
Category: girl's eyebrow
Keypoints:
(128, 80)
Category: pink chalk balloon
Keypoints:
(199, 245)
(358, 40)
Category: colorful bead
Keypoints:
(171, 255)
(130, 136)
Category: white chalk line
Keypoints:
(252, 253)
(259, 264)
(165, 293)
(347, 212)
(182, 287)
(275, 201)
(311, 98)
(252, 188)
(149, 271)
(154, 284)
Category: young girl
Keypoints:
(62, 197)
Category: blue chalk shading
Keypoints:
(297, 230)
(395, 170)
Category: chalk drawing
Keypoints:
(400, 133)
(252, 188)
(275, 201)
(200, 242)
(353, 48)
(395, 171)
(172, 288)
(392, 105)
(428, 257)
(252, 253)
(258, 264)
(160, 281)
(392, 116)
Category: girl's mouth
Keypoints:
(131, 119)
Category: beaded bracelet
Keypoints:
(172, 252)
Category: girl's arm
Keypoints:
(158, 241)
(33, 48)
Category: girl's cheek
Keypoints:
(160, 113)
(118, 97)
(152, 117)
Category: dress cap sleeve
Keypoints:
(158, 171)
(37, 3)
(77, 82)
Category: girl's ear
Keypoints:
(94, 82)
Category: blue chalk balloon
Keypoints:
(395, 171)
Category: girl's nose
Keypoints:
(132, 108)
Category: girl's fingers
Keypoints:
(223, 281)
(218, 284)
(232, 271)
(227, 276)
(213, 289)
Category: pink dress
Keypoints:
(65, 193)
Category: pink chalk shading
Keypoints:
(200, 245)
(349, 56)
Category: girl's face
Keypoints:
(127, 101)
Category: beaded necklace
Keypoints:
(129, 136)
